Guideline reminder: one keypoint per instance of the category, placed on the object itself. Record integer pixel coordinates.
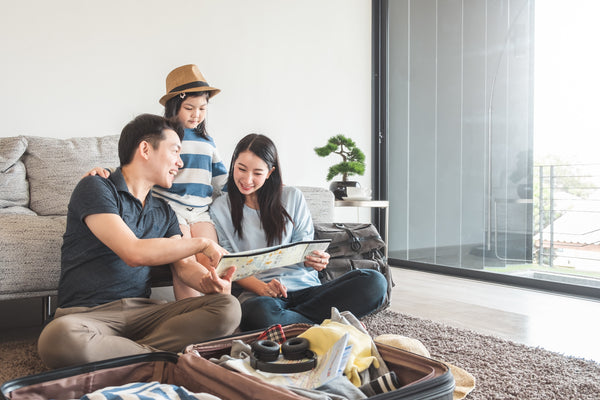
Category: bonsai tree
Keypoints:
(353, 159)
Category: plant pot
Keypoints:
(339, 188)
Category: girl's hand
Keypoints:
(318, 260)
(98, 171)
(273, 289)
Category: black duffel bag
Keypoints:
(354, 246)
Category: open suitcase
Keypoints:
(420, 377)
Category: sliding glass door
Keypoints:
(461, 86)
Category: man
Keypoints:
(115, 230)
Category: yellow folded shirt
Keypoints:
(322, 338)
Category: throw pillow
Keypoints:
(55, 166)
(14, 190)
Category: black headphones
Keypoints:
(265, 352)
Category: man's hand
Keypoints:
(212, 283)
(214, 252)
(204, 278)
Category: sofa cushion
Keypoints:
(30, 248)
(320, 203)
(16, 210)
(14, 190)
(54, 166)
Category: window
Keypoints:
(466, 96)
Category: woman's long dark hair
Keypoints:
(173, 106)
(273, 215)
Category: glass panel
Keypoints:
(464, 79)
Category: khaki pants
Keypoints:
(79, 335)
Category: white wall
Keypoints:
(296, 70)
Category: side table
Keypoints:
(382, 204)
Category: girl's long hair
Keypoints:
(273, 215)
(173, 106)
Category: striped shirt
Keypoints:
(146, 391)
(203, 173)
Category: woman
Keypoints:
(259, 212)
(203, 174)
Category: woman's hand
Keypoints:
(273, 289)
(318, 260)
(98, 171)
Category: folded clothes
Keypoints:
(274, 333)
(147, 391)
(383, 384)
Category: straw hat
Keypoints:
(186, 79)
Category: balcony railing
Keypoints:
(567, 215)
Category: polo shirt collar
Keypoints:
(119, 181)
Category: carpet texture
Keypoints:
(502, 369)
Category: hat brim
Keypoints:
(211, 92)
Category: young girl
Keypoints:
(259, 212)
(203, 175)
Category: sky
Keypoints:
(567, 80)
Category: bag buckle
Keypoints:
(355, 244)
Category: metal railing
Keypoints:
(565, 190)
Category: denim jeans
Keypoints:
(360, 291)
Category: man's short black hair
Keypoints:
(145, 127)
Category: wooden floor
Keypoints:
(559, 323)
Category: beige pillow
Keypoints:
(55, 166)
(405, 343)
(14, 190)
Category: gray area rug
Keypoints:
(503, 369)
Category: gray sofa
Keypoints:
(37, 176)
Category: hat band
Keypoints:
(190, 85)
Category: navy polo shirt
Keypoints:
(91, 273)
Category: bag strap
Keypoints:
(355, 244)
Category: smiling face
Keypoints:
(249, 174)
(193, 111)
(166, 159)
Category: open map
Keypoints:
(249, 263)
